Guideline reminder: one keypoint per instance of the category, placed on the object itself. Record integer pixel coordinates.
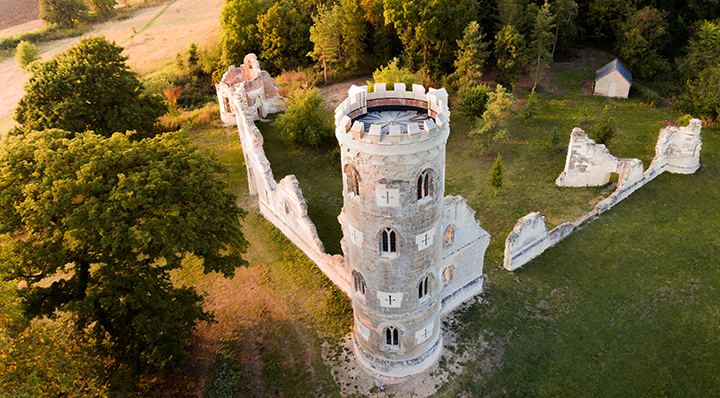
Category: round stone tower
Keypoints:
(393, 163)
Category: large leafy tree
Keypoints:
(605, 18)
(88, 87)
(429, 29)
(106, 220)
(62, 12)
(238, 20)
(284, 34)
(644, 37)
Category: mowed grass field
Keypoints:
(627, 306)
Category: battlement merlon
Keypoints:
(371, 138)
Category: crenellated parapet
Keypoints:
(423, 121)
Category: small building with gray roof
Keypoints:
(613, 80)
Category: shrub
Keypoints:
(103, 8)
(532, 105)
(473, 99)
(306, 121)
(605, 131)
(25, 54)
(391, 74)
(496, 175)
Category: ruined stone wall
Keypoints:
(464, 245)
(256, 85)
(282, 203)
(590, 164)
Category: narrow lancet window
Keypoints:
(387, 241)
(423, 287)
(351, 180)
(392, 337)
(359, 282)
(424, 185)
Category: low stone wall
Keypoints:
(591, 164)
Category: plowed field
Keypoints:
(17, 12)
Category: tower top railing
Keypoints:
(360, 102)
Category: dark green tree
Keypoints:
(566, 11)
(429, 30)
(471, 55)
(354, 31)
(88, 87)
(605, 18)
(510, 12)
(284, 35)
(510, 52)
(62, 12)
(473, 100)
(542, 38)
(643, 39)
(238, 21)
(701, 71)
(107, 219)
(493, 125)
(306, 122)
(496, 175)
(605, 130)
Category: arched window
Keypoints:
(447, 275)
(449, 235)
(423, 287)
(359, 282)
(351, 180)
(392, 337)
(226, 102)
(424, 185)
(387, 241)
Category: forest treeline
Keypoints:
(671, 45)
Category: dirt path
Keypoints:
(151, 39)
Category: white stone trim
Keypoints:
(356, 236)
(425, 239)
(387, 197)
(389, 300)
(424, 333)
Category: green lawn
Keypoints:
(627, 306)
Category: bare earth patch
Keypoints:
(355, 379)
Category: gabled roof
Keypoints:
(615, 65)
